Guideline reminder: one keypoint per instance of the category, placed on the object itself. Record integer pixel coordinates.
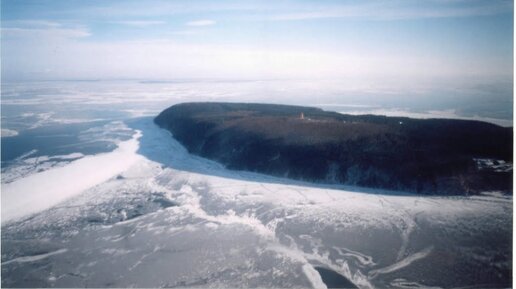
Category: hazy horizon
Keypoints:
(370, 41)
(458, 52)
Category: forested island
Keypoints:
(424, 156)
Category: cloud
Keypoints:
(184, 32)
(58, 49)
(139, 23)
(35, 30)
(203, 22)
(398, 10)
(151, 8)
(49, 33)
(31, 24)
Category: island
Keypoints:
(422, 156)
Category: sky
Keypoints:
(399, 41)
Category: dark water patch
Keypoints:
(164, 203)
(95, 220)
(15, 247)
(333, 279)
(133, 215)
(52, 140)
(128, 209)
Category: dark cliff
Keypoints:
(432, 156)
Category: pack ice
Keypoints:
(151, 215)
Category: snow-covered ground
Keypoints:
(165, 218)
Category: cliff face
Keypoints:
(435, 156)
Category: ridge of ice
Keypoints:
(43, 190)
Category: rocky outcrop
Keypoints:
(432, 156)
